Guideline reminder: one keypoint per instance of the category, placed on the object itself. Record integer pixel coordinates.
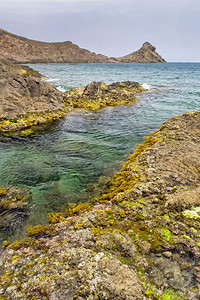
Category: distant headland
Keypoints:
(22, 50)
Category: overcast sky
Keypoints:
(110, 27)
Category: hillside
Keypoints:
(146, 54)
(22, 50)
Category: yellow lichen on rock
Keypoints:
(138, 245)
(98, 95)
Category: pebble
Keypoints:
(167, 254)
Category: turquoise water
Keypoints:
(59, 162)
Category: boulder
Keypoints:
(26, 99)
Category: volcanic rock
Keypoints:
(13, 208)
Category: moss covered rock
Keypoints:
(26, 100)
(97, 95)
(140, 240)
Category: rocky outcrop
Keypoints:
(8, 70)
(22, 92)
(22, 50)
(146, 54)
(25, 99)
(97, 95)
(140, 239)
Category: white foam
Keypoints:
(146, 86)
(52, 79)
(61, 89)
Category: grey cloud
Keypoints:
(111, 27)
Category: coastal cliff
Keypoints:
(22, 50)
(139, 239)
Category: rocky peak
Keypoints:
(147, 46)
(146, 54)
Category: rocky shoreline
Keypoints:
(139, 240)
(26, 100)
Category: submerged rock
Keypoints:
(139, 241)
(13, 208)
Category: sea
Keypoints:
(66, 161)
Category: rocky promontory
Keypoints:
(139, 240)
(22, 50)
(146, 54)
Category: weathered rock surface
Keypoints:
(22, 93)
(22, 50)
(8, 69)
(25, 99)
(140, 241)
(97, 95)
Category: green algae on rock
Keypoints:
(97, 95)
(136, 244)
(27, 123)
(27, 101)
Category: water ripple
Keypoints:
(57, 163)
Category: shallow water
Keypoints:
(57, 163)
